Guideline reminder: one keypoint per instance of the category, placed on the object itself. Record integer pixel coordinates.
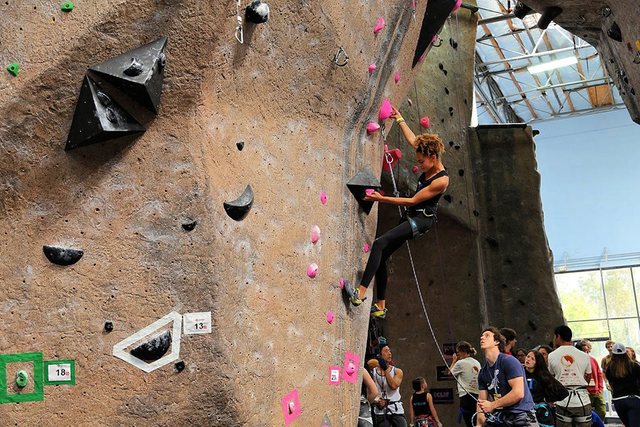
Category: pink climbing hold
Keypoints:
(291, 406)
(330, 317)
(365, 248)
(315, 234)
(323, 197)
(341, 283)
(395, 154)
(397, 77)
(415, 169)
(425, 122)
(369, 191)
(385, 110)
(312, 270)
(379, 25)
(372, 127)
(351, 368)
(372, 68)
(457, 6)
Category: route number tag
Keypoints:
(197, 323)
(59, 372)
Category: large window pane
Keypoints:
(594, 330)
(581, 295)
(626, 331)
(619, 291)
(636, 280)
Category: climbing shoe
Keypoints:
(377, 312)
(352, 294)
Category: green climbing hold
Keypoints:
(22, 378)
(14, 69)
(66, 6)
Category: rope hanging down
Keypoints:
(396, 193)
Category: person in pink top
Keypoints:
(596, 385)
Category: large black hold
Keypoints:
(62, 256)
(257, 12)
(434, 18)
(614, 32)
(548, 14)
(98, 118)
(239, 208)
(139, 73)
(521, 10)
(358, 185)
(153, 349)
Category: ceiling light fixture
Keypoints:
(552, 65)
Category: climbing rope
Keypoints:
(396, 193)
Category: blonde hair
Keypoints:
(429, 144)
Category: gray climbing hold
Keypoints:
(257, 12)
(135, 68)
(358, 185)
(98, 118)
(62, 256)
(239, 208)
(139, 73)
(153, 349)
(614, 32)
(548, 14)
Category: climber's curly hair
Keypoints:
(429, 144)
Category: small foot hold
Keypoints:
(352, 294)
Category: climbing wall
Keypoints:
(487, 260)
(180, 262)
(612, 27)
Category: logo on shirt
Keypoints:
(567, 360)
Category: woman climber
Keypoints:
(419, 217)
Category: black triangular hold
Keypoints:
(239, 208)
(62, 256)
(139, 73)
(434, 18)
(98, 118)
(359, 183)
(548, 14)
(614, 32)
(153, 349)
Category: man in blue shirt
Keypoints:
(504, 398)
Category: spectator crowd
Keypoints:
(559, 384)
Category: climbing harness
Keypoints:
(239, 31)
(574, 391)
(340, 58)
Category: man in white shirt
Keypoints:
(572, 368)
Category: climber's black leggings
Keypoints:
(387, 244)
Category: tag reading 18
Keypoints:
(59, 372)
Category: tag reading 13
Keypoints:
(197, 323)
(59, 372)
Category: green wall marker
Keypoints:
(60, 372)
(22, 378)
(14, 69)
(66, 6)
(38, 385)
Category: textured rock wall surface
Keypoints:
(303, 122)
(467, 281)
(592, 21)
